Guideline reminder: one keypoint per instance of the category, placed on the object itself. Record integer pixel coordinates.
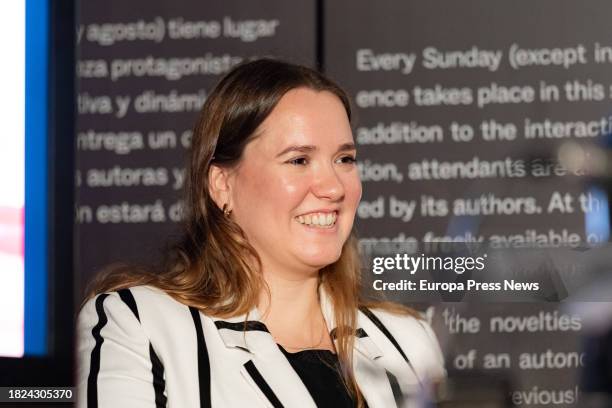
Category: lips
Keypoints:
(318, 219)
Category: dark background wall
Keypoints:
(455, 84)
(145, 70)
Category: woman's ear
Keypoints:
(219, 186)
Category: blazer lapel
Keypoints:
(371, 377)
(373, 382)
(267, 369)
(270, 373)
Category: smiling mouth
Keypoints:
(318, 220)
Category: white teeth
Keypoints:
(321, 220)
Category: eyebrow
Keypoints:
(311, 148)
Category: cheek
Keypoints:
(271, 192)
(352, 186)
(291, 187)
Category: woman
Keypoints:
(260, 304)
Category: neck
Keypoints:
(292, 312)
(290, 300)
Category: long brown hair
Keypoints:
(213, 267)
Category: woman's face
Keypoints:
(296, 189)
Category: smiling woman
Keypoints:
(259, 304)
(296, 189)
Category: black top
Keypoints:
(320, 373)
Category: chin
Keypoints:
(322, 258)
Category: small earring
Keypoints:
(226, 210)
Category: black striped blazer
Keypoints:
(141, 348)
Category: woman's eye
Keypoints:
(298, 161)
(347, 159)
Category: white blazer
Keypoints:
(140, 348)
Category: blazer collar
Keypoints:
(242, 331)
(363, 342)
(248, 332)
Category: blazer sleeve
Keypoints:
(114, 367)
(436, 370)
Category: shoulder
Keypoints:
(143, 294)
(129, 299)
(138, 318)
(144, 306)
(416, 338)
(406, 325)
(126, 339)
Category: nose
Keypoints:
(328, 184)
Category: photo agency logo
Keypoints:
(429, 273)
(412, 264)
(461, 271)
